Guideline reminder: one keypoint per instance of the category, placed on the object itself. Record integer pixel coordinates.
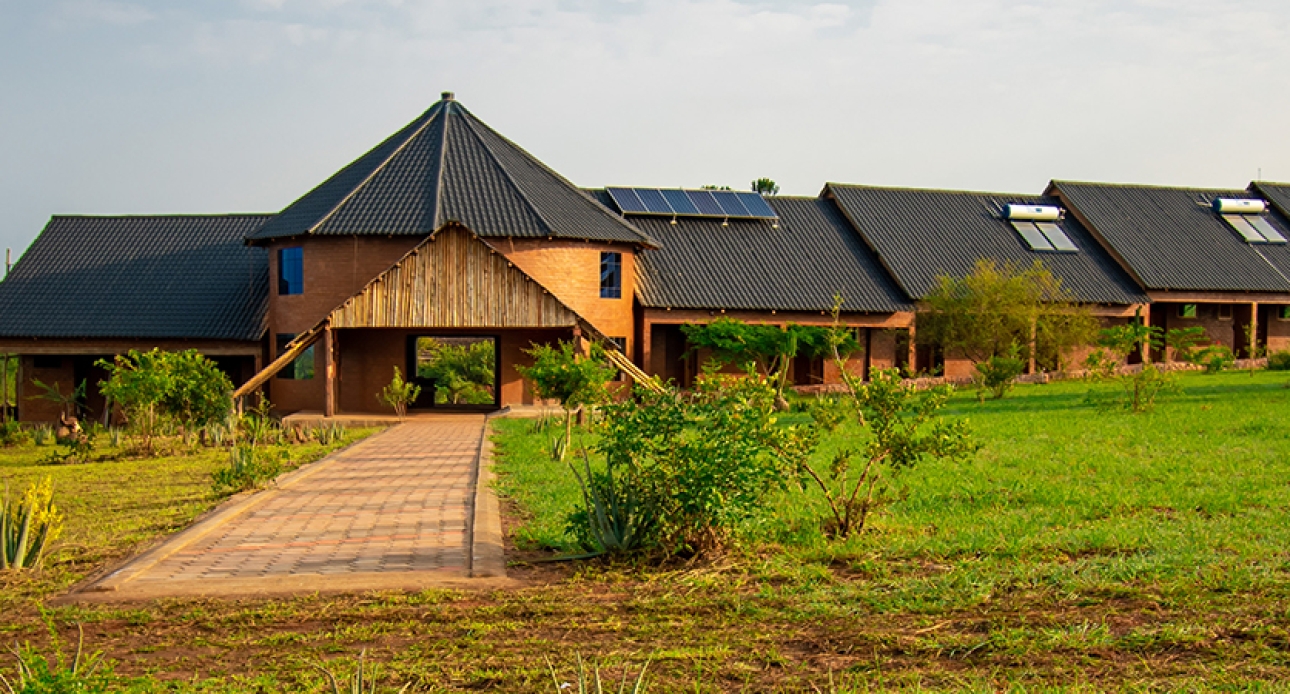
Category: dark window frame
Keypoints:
(291, 280)
(611, 275)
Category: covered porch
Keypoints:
(452, 298)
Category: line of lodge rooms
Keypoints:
(1172, 256)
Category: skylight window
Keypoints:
(1246, 218)
(1038, 227)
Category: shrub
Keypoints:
(1215, 358)
(1279, 361)
(12, 434)
(900, 431)
(998, 373)
(564, 374)
(28, 526)
(185, 386)
(1143, 385)
(399, 394)
(695, 464)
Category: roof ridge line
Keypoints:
(550, 230)
(595, 204)
(435, 223)
(379, 168)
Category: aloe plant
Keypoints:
(28, 526)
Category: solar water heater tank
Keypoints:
(1239, 206)
(1032, 213)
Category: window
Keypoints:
(1225, 312)
(41, 362)
(291, 270)
(302, 369)
(1188, 311)
(611, 275)
(1283, 312)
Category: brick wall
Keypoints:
(334, 270)
(571, 271)
(1278, 330)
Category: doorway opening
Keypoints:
(455, 371)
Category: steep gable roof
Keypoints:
(750, 265)
(1276, 193)
(1171, 239)
(169, 276)
(448, 166)
(921, 234)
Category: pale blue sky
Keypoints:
(115, 106)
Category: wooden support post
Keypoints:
(913, 349)
(1034, 344)
(1145, 347)
(329, 374)
(1253, 347)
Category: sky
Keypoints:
(204, 106)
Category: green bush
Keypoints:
(184, 386)
(1279, 361)
(689, 467)
(999, 373)
(399, 394)
(1215, 358)
(564, 374)
(12, 434)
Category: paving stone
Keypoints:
(398, 503)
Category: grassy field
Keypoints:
(1082, 549)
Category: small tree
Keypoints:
(563, 373)
(1001, 316)
(770, 349)
(1143, 385)
(199, 394)
(399, 394)
(765, 186)
(138, 382)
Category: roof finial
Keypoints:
(448, 96)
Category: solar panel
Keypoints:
(1268, 231)
(1056, 236)
(730, 203)
(1244, 228)
(706, 204)
(756, 206)
(679, 201)
(654, 201)
(1032, 236)
(626, 200)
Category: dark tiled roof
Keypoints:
(750, 265)
(139, 277)
(1276, 193)
(1171, 239)
(922, 234)
(447, 166)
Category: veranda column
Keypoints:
(329, 374)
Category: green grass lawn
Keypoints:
(117, 503)
(1082, 549)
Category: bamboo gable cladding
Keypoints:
(453, 280)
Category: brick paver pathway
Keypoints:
(399, 502)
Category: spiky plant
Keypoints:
(28, 526)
